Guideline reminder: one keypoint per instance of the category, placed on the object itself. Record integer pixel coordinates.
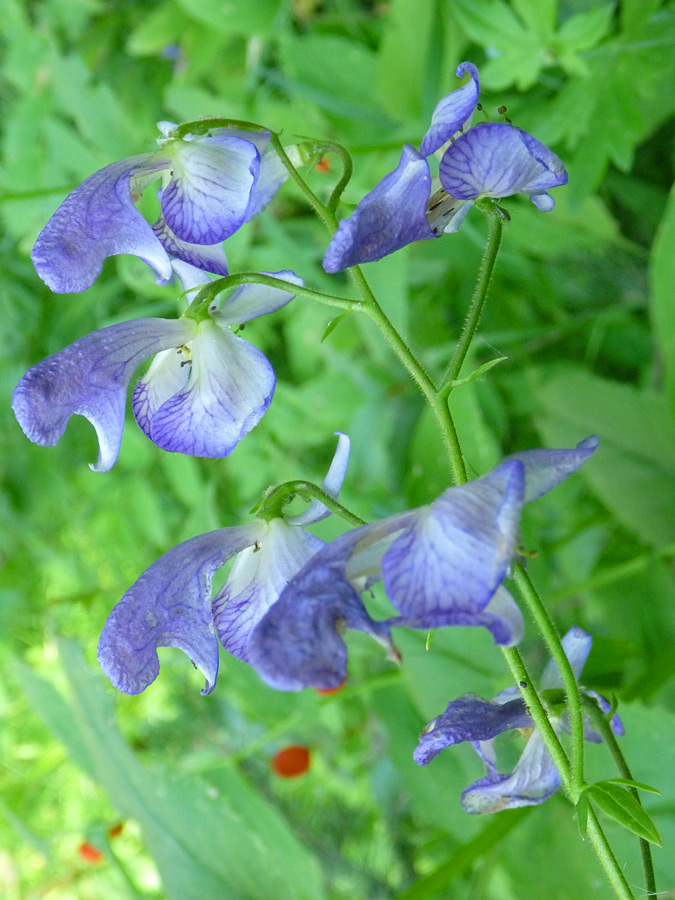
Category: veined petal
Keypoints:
(391, 216)
(170, 606)
(250, 301)
(332, 484)
(228, 391)
(99, 219)
(534, 779)
(497, 160)
(190, 276)
(209, 257)
(453, 111)
(257, 577)
(90, 378)
(271, 176)
(577, 645)
(298, 642)
(544, 469)
(446, 566)
(207, 198)
(167, 375)
(469, 718)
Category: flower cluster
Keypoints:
(492, 159)
(470, 718)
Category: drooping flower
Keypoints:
(471, 718)
(441, 564)
(211, 185)
(204, 391)
(171, 604)
(489, 160)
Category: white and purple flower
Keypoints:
(535, 777)
(171, 604)
(441, 564)
(204, 391)
(211, 185)
(492, 159)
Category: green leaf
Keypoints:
(162, 26)
(209, 843)
(617, 803)
(477, 374)
(638, 785)
(225, 16)
(662, 279)
(586, 29)
(583, 805)
(333, 324)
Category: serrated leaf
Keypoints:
(617, 803)
(586, 29)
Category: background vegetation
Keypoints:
(582, 307)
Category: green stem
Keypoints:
(326, 215)
(555, 648)
(606, 856)
(347, 169)
(208, 293)
(477, 303)
(278, 497)
(600, 721)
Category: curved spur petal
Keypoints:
(257, 577)
(446, 566)
(90, 378)
(544, 469)
(469, 718)
(208, 195)
(250, 301)
(170, 606)
(534, 779)
(332, 484)
(229, 389)
(209, 257)
(452, 112)
(97, 220)
(298, 642)
(391, 216)
(271, 176)
(498, 160)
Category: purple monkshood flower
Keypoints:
(441, 564)
(211, 185)
(204, 391)
(471, 718)
(492, 159)
(171, 604)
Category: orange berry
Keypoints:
(291, 761)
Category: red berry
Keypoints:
(291, 761)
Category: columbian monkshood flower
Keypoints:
(171, 604)
(441, 564)
(211, 185)
(204, 391)
(471, 718)
(492, 159)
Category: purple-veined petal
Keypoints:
(97, 220)
(544, 469)
(446, 566)
(497, 160)
(170, 606)
(250, 301)
(298, 642)
(229, 389)
(209, 257)
(332, 484)
(534, 779)
(206, 200)
(257, 577)
(469, 718)
(391, 216)
(271, 176)
(167, 375)
(90, 378)
(577, 645)
(453, 111)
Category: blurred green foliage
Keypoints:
(582, 307)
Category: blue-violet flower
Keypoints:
(211, 185)
(171, 604)
(441, 564)
(471, 718)
(492, 159)
(204, 391)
